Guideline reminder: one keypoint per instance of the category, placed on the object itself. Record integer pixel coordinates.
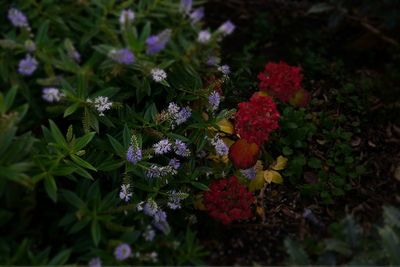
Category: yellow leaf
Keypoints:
(198, 202)
(259, 166)
(271, 176)
(216, 158)
(228, 141)
(258, 182)
(226, 126)
(280, 163)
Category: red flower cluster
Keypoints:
(256, 119)
(228, 200)
(280, 80)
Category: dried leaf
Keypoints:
(258, 182)
(280, 163)
(272, 176)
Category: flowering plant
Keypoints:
(121, 86)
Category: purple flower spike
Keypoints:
(122, 56)
(197, 15)
(156, 43)
(17, 18)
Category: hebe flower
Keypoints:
(101, 103)
(185, 6)
(133, 155)
(175, 198)
(220, 147)
(156, 43)
(228, 200)
(27, 66)
(181, 149)
(197, 15)
(280, 80)
(149, 234)
(51, 94)
(225, 70)
(162, 147)
(127, 15)
(122, 56)
(256, 119)
(125, 192)
(17, 18)
(204, 37)
(122, 252)
(158, 75)
(214, 99)
(226, 28)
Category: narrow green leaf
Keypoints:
(82, 162)
(51, 187)
(57, 135)
(82, 142)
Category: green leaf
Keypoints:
(71, 109)
(200, 186)
(82, 142)
(51, 187)
(73, 199)
(296, 253)
(82, 162)
(57, 135)
(61, 258)
(9, 99)
(96, 234)
(391, 245)
(119, 149)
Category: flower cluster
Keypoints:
(156, 43)
(134, 154)
(158, 75)
(27, 66)
(125, 192)
(280, 80)
(256, 119)
(220, 147)
(101, 103)
(228, 200)
(214, 99)
(127, 15)
(17, 18)
(175, 198)
(151, 209)
(177, 115)
(122, 252)
(51, 94)
(122, 56)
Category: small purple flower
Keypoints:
(125, 193)
(175, 198)
(156, 43)
(122, 56)
(149, 234)
(213, 61)
(73, 54)
(162, 147)
(183, 115)
(185, 6)
(249, 173)
(224, 69)
(150, 208)
(163, 226)
(27, 66)
(160, 216)
(197, 15)
(220, 147)
(95, 262)
(51, 94)
(122, 252)
(181, 149)
(214, 99)
(17, 18)
(30, 46)
(174, 163)
(204, 37)
(227, 28)
(127, 15)
(133, 155)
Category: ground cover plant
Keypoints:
(189, 133)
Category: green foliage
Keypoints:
(69, 191)
(350, 245)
